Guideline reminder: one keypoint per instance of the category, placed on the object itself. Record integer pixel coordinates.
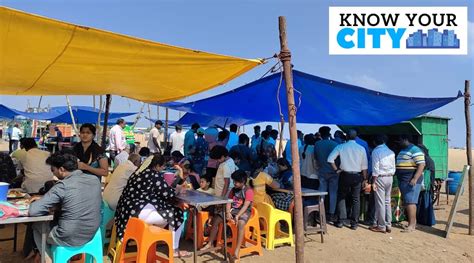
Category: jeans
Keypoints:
(329, 183)
(349, 184)
(14, 144)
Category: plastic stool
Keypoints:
(146, 237)
(202, 218)
(272, 216)
(107, 216)
(322, 229)
(93, 249)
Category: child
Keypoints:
(205, 185)
(238, 211)
(222, 182)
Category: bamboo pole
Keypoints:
(467, 113)
(72, 115)
(108, 101)
(285, 57)
(166, 129)
(139, 115)
(97, 126)
(280, 145)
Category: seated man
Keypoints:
(77, 197)
(36, 171)
(119, 178)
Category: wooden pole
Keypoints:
(97, 126)
(108, 101)
(280, 144)
(285, 57)
(467, 113)
(166, 128)
(72, 115)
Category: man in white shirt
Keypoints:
(156, 138)
(15, 137)
(37, 172)
(117, 138)
(119, 178)
(352, 171)
(177, 139)
(223, 182)
(383, 169)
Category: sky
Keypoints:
(249, 29)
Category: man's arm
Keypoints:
(52, 197)
(332, 157)
(419, 172)
(226, 187)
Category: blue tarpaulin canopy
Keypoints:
(82, 114)
(206, 121)
(318, 100)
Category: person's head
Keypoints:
(186, 165)
(299, 134)
(269, 128)
(256, 130)
(200, 132)
(309, 139)
(351, 134)
(340, 135)
(16, 125)
(283, 164)
(240, 178)
(144, 152)
(157, 162)
(176, 156)
(121, 122)
(405, 140)
(219, 153)
(265, 134)
(22, 141)
(87, 132)
(243, 139)
(136, 159)
(222, 135)
(380, 139)
(62, 164)
(233, 127)
(235, 155)
(29, 143)
(195, 126)
(178, 127)
(274, 134)
(158, 124)
(205, 182)
(325, 132)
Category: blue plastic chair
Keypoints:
(92, 249)
(107, 215)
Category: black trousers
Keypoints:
(349, 187)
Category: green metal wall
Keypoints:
(434, 136)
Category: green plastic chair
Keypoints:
(92, 249)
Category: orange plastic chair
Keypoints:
(202, 218)
(252, 242)
(146, 237)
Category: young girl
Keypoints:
(238, 212)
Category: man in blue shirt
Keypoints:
(328, 178)
(233, 137)
(256, 138)
(189, 139)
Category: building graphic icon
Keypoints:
(433, 39)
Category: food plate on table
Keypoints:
(15, 194)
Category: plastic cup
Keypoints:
(3, 191)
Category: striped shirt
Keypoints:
(410, 157)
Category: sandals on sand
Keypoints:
(182, 254)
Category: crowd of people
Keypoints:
(224, 163)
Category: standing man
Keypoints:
(383, 169)
(410, 166)
(117, 139)
(190, 139)
(177, 139)
(256, 138)
(328, 178)
(156, 138)
(15, 137)
(233, 137)
(352, 171)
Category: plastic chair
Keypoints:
(202, 218)
(107, 216)
(252, 242)
(92, 249)
(146, 237)
(271, 217)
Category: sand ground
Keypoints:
(427, 244)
